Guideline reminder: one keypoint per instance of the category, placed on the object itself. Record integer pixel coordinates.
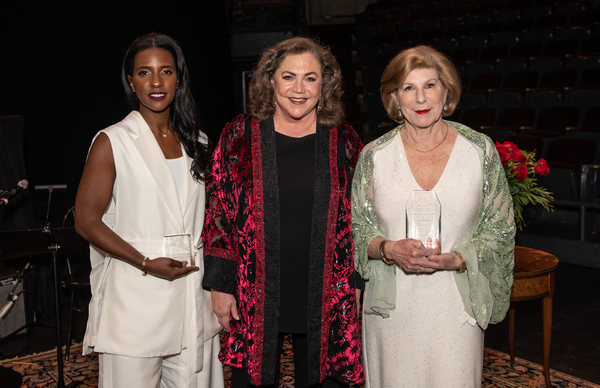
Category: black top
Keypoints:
(296, 174)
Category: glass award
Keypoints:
(179, 247)
(424, 218)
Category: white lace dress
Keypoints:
(428, 340)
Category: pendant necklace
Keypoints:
(157, 131)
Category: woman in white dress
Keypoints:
(426, 309)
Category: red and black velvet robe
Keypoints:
(241, 248)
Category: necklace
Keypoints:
(429, 150)
(157, 131)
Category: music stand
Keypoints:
(19, 243)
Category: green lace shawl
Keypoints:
(485, 286)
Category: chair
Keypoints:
(490, 27)
(518, 24)
(543, 98)
(568, 9)
(476, 118)
(565, 157)
(431, 33)
(584, 18)
(588, 133)
(509, 38)
(557, 119)
(526, 50)
(472, 99)
(588, 100)
(573, 32)
(561, 47)
(544, 65)
(528, 143)
(476, 68)
(551, 21)
(590, 77)
(465, 54)
(485, 81)
(562, 78)
(516, 5)
(543, 35)
(572, 152)
(498, 133)
(521, 79)
(458, 30)
(465, 10)
(490, 7)
(445, 45)
(591, 117)
(473, 41)
(73, 282)
(517, 116)
(502, 99)
(590, 45)
(507, 66)
(494, 52)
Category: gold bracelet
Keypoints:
(463, 265)
(144, 266)
(382, 253)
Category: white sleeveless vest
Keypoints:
(144, 316)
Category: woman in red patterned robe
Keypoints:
(278, 232)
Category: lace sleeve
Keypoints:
(380, 295)
(490, 251)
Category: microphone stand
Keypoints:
(53, 247)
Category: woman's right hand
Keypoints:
(224, 305)
(410, 255)
(167, 268)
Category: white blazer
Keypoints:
(144, 316)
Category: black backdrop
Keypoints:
(60, 69)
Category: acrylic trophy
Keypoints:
(179, 247)
(424, 218)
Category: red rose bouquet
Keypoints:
(521, 168)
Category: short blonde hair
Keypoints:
(419, 57)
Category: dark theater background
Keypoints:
(60, 66)
(61, 72)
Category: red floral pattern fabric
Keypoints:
(236, 255)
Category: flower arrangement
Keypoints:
(521, 168)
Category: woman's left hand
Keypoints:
(445, 261)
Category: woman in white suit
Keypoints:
(140, 204)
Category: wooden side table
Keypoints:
(534, 278)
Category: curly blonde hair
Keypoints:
(419, 57)
(260, 104)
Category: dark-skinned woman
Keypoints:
(140, 204)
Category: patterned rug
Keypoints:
(39, 370)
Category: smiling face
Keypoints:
(297, 87)
(421, 98)
(154, 80)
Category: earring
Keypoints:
(445, 107)
(319, 105)
(400, 113)
(274, 101)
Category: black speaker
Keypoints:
(16, 316)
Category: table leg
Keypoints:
(511, 332)
(547, 313)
